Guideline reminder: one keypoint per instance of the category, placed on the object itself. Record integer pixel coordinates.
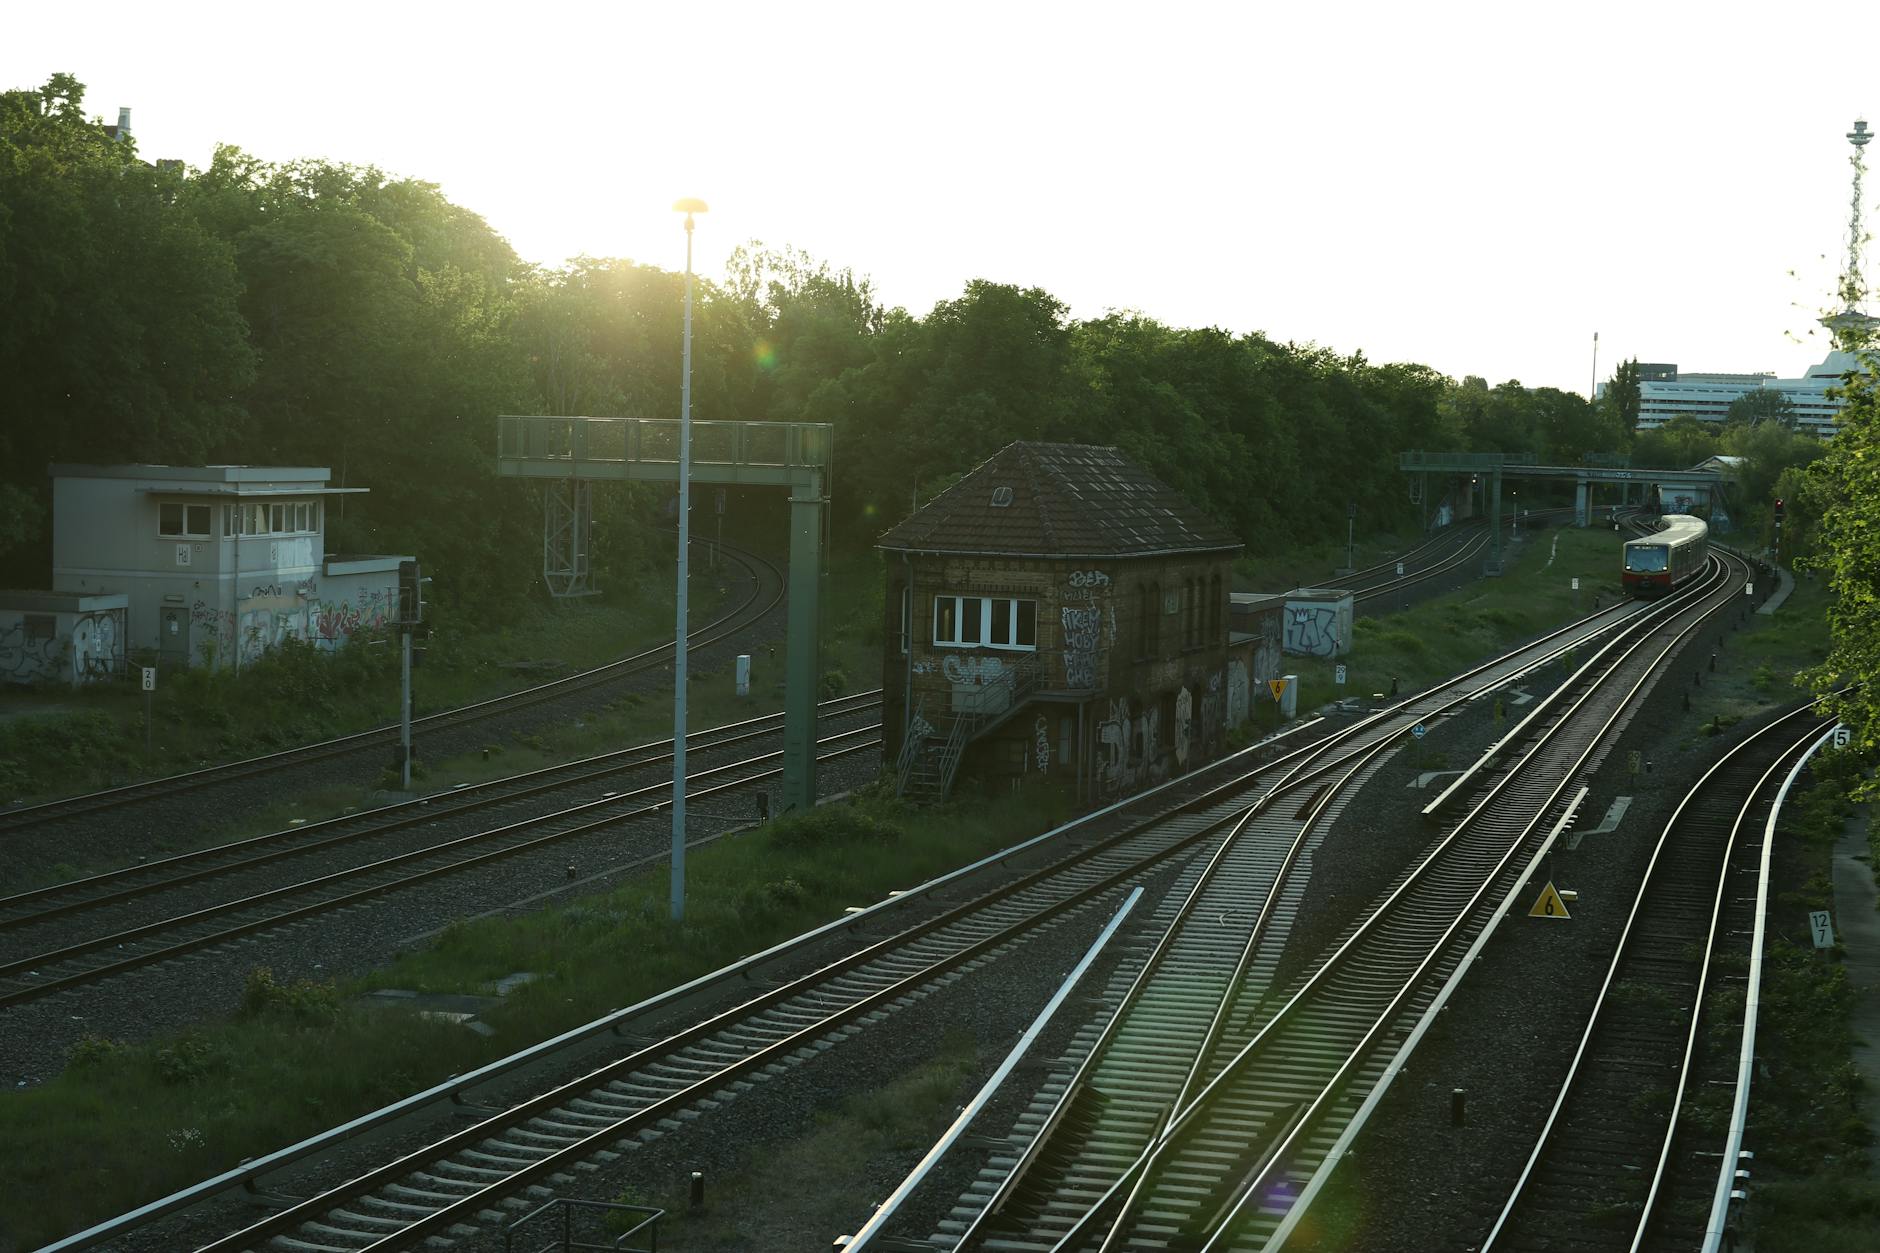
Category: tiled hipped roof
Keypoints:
(1065, 500)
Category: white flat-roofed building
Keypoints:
(216, 563)
(1708, 397)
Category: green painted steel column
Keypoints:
(1494, 521)
(803, 648)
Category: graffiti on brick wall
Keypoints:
(1312, 630)
(1083, 626)
(981, 685)
(1129, 749)
(1087, 625)
(975, 671)
(1041, 743)
(1184, 726)
(1212, 723)
(1237, 692)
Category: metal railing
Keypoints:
(648, 1221)
(657, 439)
(912, 744)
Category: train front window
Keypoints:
(1649, 560)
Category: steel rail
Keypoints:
(1623, 949)
(1097, 1057)
(135, 961)
(248, 1175)
(453, 1090)
(1521, 882)
(22, 817)
(1718, 1226)
(1290, 1134)
(1323, 759)
(1700, 611)
(347, 828)
(466, 1208)
(889, 1209)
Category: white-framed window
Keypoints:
(985, 622)
(193, 521)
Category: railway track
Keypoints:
(761, 589)
(1142, 1152)
(81, 933)
(1381, 586)
(1613, 1167)
(826, 1010)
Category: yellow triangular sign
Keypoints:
(1277, 687)
(1549, 905)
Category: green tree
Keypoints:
(122, 338)
(1622, 396)
(1843, 495)
(1677, 445)
(1765, 404)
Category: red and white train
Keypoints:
(1667, 559)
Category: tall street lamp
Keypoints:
(687, 207)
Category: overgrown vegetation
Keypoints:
(1812, 1189)
(94, 737)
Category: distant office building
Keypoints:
(1657, 372)
(1707, 397)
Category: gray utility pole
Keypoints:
(687, 207)
(404, 709)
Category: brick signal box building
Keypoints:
(1058, 611)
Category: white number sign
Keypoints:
(1823, 928)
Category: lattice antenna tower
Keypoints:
(1852, 289)
(1852, 329)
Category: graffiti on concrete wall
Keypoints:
(24, 659)
(331, 622)
(1237, 690)
(1041, 743)
(1312, 630)
(1184, 726)
(213, 631)
(97, 645)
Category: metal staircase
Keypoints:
(930, 753)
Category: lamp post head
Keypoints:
(688, 206)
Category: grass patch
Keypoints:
(129, 1123)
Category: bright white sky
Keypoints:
(1478, 187)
